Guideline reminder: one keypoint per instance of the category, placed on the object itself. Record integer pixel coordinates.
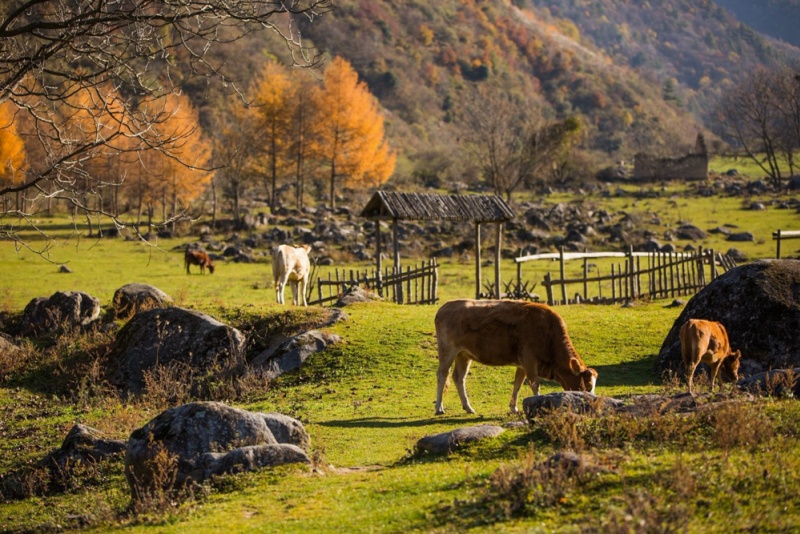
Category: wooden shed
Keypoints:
(477, 209)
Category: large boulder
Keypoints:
(195, 441)
(170, 335)
(130, 299)
(65, 310)
(759, 305)
(290, 354)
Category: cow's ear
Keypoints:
(575, 366)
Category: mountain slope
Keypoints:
(776, 18)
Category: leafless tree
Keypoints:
(89, 79)
(761, 116)
(511, 143)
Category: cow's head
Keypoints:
(210, 267)
(730, 365)
(583, 380)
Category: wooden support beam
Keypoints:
(477, 260)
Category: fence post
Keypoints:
(547, 284)
(585, 279)
(562, 274)
(778, 236)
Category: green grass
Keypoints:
(367, 401)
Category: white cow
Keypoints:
(290, 264)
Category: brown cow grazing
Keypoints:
(707, 342)
(198, 257)
(291, 264)
(529, 336)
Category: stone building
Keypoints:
(693, 166)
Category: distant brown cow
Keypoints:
(529, 336)
(198, 257)
(707, 342)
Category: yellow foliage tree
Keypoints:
(12, 148)
(176, 178)
(273, 104)
(350, 138)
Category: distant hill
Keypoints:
(641, 75)
(776, 18)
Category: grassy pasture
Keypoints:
(367, 401)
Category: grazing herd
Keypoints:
(529, 336)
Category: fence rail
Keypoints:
(663, 275)
(412, 285)
(780, 235)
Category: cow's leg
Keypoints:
(460, 378)
(302, 288)
(690, 369)
(280, 287)
(519, 378)
(293, 283)
(445, 361)
(714, 370)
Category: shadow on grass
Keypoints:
(634, 373)
(402, 422)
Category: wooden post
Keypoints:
(585, 279)
(497, 257)
(398, 270)
(548, 286)
(435, 282)
(713, 257)
(378, 256)
(562, 273)
(778, 251)
(478, 260)
(613, 286)
(519, 274)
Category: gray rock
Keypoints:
(576, 401)
(83, 446)
(736, 255)
(64, 269)
(163, 336)
(690, 232)
(204, 439)
(448, 441)
(65, 310)
(130, 299)
(759, 305)
(740, 236)
(776, 382)
(291, 353)
(356, 294)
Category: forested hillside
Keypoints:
(640, 75)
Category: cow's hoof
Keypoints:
(469, 410)
(439, 412)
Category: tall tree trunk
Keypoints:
(333, 184)
(213, 202)
(274, 162)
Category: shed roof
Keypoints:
(425, 206)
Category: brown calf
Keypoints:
(531, 337)
(198, 257)
(707, 342)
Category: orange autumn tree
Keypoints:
(173, 179)
(349, 133)
(273, 104)
(12, 148)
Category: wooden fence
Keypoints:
(663, 275)
(781, 235)
(412, 285)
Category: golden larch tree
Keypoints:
(349, 130)
(274, 109)
(12, 148)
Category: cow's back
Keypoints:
(501, 332)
